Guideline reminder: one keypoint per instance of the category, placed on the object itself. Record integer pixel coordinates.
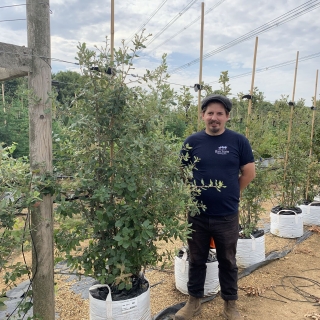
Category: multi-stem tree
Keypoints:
(126, 191)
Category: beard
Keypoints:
(215, 130)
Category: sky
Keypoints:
(230, 31)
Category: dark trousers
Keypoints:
(225, 232)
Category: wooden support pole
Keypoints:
(313, 114)
(290, 122)
(40, 139)
(3, 100)
(252, 85)
(111, 65)
(112, 30)
(200, 68)
(312, 131)
(291, 115)
(14, 61)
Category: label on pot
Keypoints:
(130, 304)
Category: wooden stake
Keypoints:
(291, 115)
(252, 85)
(3, 94)
(4, 102)
(112, 31)
(40, 139)
(312, 130)
(111, 66)
(200, 69)
(313, 114)
(290, 123)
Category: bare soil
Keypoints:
(288, 288)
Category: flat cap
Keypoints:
(217, 97)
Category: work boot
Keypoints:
(192, 308)
(230, 310)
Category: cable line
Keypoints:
(290, 15)
(186, 27)
(279, 65)
(171, 22)
(32, 55)
(275, 66)
(14, 5)
(145, 23)
(12, 20)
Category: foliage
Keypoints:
(20, 191)
(225, 89)
(184, 116)
(127, 184)
(13, 87)
(14, 185)
(296, 167)
(66, 84)
(14, 127)
(252, 198)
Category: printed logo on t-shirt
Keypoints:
(222, 150)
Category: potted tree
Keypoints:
(309, 204)
(127, 189)
(251, 243)
(291, 177)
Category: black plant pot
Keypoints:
(287, 211)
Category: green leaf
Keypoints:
(121, 286)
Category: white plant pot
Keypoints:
(250, 251)
(286, 226)
(137, 308)
(181, 274)
(310, 214)
(266, 162)
(317, 198)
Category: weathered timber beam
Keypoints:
(6, 74)
(15, 61)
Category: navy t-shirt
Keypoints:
(220, 158)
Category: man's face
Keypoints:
(215, 118)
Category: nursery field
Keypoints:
(287, 288)
(112, 168)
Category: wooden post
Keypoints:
(4, 102)
(312, 130)
(291, 115)
(290, 123)
(200, 69)
(112, 31)
(111, 66)
(252, 86)
(2, 88)
(40, 131)
(313, 114)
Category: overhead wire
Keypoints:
(146, 22)
(12, 20)
(41, 57)
(189, 25)
(279, 65)
(172, 21)
(276, 66)
(13, 5)
(288, 16)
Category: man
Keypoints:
(217, 154)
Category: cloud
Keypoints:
(76, 21)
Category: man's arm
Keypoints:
(248, 172)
